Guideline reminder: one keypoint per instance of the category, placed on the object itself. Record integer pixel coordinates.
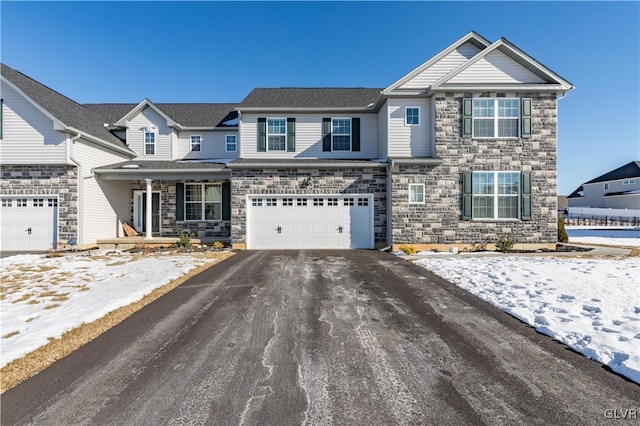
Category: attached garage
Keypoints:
(29, 223)
(334, 221)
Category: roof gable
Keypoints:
(145, 103)
(448, 59)
(494, 59)
(66, 114)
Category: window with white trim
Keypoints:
(412, 116)
(276, 134)
(606, 186)
(341, 134)
(416, 193)
(196, 143)
(149, 143)
(203, 201)
(496, 117)
(496, 195)
(231, 143)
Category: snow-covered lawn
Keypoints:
(590, 304)
(42, 297)
(613, 236)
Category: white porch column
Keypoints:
(148, 210)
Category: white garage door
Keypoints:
(28, 223)
(310, 221)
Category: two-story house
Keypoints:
(617, 189)
(457, 150)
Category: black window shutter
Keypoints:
(525, 118)
(291, 134)
(262, 134)
(525, 214)
(226, 201)
(467, 114)
(179, 201)
(326, 134)
(355, 134)
(467, 196)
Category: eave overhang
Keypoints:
(306, 164)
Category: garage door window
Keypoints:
(52, 202)
(301, 202)
(38, 202)
(21, 202)
(363, 201)
(318, 202)
(271, 202)
(7, 202)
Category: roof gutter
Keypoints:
(310, 165)
(99, 141)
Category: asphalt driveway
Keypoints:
(322, 338)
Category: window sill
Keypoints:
(199, 221)
(495, 220)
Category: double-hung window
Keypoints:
(341, 134)
(412, 116)
(203, 201)
(496, 195)
(231, 143)
(496, 117)
(196, 143)
(276, 134)
(149, 143)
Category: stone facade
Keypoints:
(325, 181)
(47, 180)
(439, 220)
(169, 226)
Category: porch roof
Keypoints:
(164, 170)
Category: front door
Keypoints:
(140, 208)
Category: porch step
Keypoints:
(126, 243)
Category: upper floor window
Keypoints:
(276, 134)
(628, 181)
(412, 116)
(196, 143)
(496, 195)
(341, 134)
(149, 143)
(231, 142)
(496, 118)
(606, 186)
(1, 109)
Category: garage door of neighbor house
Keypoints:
(28, 223)
(336, 221)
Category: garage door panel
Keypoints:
(28, 223)
(329, 221)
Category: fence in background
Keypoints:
(591, 216)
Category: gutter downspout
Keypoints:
(79, 233)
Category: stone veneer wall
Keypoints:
(439, 220)
(168, 225)
(47, 180)
(325, 181)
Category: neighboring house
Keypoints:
(618, 189)
(460, 149)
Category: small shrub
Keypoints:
(505, 242)
(408, 249)
(562, 233)
(218, 245)
(184, 239)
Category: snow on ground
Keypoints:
(590, 304)
(42, 297)
(613, 236)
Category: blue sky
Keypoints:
(96, 52)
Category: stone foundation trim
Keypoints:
(472, 247)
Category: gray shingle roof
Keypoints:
(357, 98)
(67, 111)
(188, 115)
(629, 170)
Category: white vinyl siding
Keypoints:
(496, 67)
(383, 130)
(409, 141)
(442, 67)
(103, 205)
(163, 135)
(213, 146)
(309, 138)
(28, 136)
